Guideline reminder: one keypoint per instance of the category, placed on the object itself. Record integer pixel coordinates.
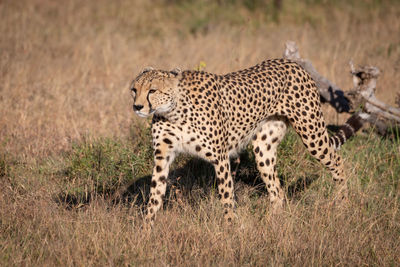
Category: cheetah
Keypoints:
(214, 116)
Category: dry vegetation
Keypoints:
(69, 142)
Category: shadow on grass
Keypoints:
(195, 179)
(300, 185)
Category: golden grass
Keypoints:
(64, 72)
(36, 231)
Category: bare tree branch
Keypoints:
(376, 112)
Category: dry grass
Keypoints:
(64, 73)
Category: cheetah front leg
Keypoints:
(225, 186)
(265, 145)
(163, 157)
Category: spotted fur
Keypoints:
(214, 116)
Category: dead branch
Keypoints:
(376, 112)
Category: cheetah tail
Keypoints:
(347, 130)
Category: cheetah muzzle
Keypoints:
(214, 116)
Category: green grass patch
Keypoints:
(378, 158)
(100, 167)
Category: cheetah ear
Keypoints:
(176, 71)
(146, 69)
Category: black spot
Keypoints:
(153, 184)
(163, 179)
(198, 148)
(167, 141)
(158, 168)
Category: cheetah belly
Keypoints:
(244, 140)
(193, 143)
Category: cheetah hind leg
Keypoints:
(265, 143)
(321, 147)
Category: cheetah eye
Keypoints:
(152, 91)
(133, 90)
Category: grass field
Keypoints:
(75, 161)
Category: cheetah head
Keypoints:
(154, 91)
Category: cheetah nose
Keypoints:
(137, 107)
